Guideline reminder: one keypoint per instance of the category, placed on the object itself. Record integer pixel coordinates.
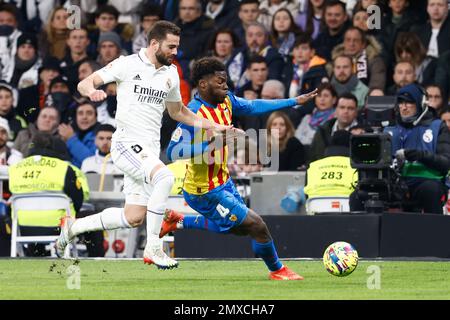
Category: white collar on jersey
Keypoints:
(145, 59)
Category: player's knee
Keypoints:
(258, 226)
(163, 177)
(135, 219)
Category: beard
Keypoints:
(162, 58)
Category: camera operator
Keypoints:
(421, 145)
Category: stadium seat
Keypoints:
(327, 204)
(36, 201)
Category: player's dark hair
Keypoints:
(161, 29)
(105, 127)
(205, 67)
(349, 96)
(108, 9)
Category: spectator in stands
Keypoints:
(224, 44)
(258, 73)
(283, 32)
(33, 14)
(224, 12)
(22, 70)
(32, 99)
(7, 111)
(109, 48)
(149, 15)
(106, 111)
(280, 131)
(310, 19)
(306, 70)
(248, 13)
(9, 34)
(256, 38)
(435, 34)
(335, 166)
(336, 23)
(55, 174)
(271, 89)
(244, 161)
(107, 20)
(86, 68)
(399, 19)
(323, 111)
(61, 98)
(80, 136)
(8, 156)
(196, 30)
(343, 79)
(346, 117)
(422, 144)
(408, 47)
(47, 122)
(435, 98)
(52, 41)
(77, 43)
(442, 76)
(368, 65)
(268, 8)
(404, 74)
(101, 162)
(445, 116)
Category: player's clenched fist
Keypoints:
(97, 95)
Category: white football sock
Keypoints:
(108, 219)
(162, 182)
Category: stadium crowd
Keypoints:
(271, 48)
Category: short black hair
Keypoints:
(161, 29)
(256, 58)
(349, 96)
(105, 127)
(243, 2)
(303, 38)
(332, 3)
(152, 10)
(205, 67)
(108, 9)
(12, 9)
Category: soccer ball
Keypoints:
(340, 259)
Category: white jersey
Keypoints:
(141, 94)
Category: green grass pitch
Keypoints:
(206, 279)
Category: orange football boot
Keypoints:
(171, 218)
(284, 274)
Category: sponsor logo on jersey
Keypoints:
(137, 77)
(150, 95)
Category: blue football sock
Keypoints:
(268, 253)
(199, 222)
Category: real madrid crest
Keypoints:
(428, 136)
(168, 84)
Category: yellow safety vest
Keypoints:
(331, 176)
(38, 174)
(81, 177)
(178, 169)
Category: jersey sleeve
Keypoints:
(183, 145)
(174, 94)
(113, 71)
(255, 107)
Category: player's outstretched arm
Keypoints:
(179, 112)
(87, 88)
(259, 106)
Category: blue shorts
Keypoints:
(222, 205)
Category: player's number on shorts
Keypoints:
(222, 210)
(136, 148)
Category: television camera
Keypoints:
(379, 185)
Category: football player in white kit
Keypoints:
(147, 82)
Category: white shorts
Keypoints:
(131, 158)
